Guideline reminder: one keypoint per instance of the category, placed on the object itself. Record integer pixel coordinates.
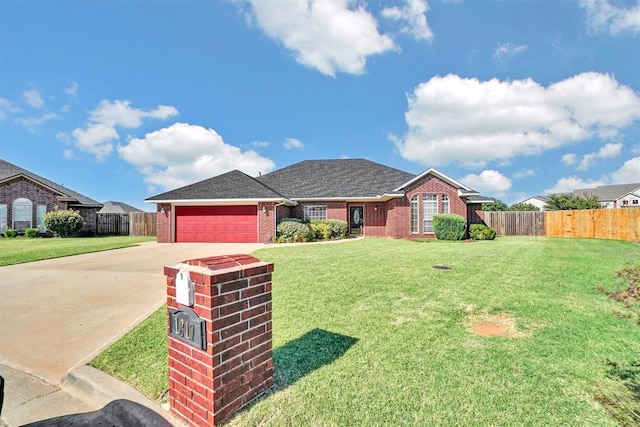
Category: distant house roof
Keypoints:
(608, 192)
(339, 179)
(118, 207)
(9, 171)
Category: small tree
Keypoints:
(63, 223)
(496, 205)
(562, 202)
(523, 207)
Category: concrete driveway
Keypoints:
(58, 314)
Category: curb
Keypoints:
(94, 386)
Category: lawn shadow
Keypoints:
(304, 355)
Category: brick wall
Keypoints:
(266, 222)
(400, 226)
(335, 210)
(39, 195)
(233, 296)
(375, 219)
(163, 223)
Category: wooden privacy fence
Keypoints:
(618, 224)
(126, 224)
(521, 223)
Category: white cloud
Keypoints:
(32, 98)
(628, 173)
(472, 123)
(603, 16)
(182, 154)
(607, 151)
(7, 107)
(31, 123)
(488, 181)
(291, 143)
(507, 50)
(259, 144)
(414, 18)
(570, 159)
(524, 173)
(68, 155)
(570, 183)
(330, 36)
(72, 89)
(100, 130)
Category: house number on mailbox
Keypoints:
(185, 325)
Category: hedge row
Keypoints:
(294, 230)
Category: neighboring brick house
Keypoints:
(374, 199)
(26, 197)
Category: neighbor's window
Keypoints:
(429, 209)
(3, 218)
(21, 214)
(42, 210)
(445, 204)
(415, 221)
(315, 212)
(635, 201)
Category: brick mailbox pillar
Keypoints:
(220, 354)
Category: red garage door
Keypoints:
(220, 224)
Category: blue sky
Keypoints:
(124, 100)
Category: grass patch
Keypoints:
(367, 332)
(140, 358)
(22, 249)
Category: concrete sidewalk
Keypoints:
(59, 314)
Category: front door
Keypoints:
(356, 219)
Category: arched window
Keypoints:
(22, 214)
(445, 204)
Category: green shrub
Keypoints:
(320, 229)
(32, 232)
(281, 220)
(481, 232)
(291, 231)
(449, 227)
(339, 228)
(10, 233)
(63, 223)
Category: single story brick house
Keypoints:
(26, 197)
(374, 199)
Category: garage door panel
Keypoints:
(228, 224)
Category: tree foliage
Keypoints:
(523, 207)
(561, 202)
(496, 205)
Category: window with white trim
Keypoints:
(429, 209)
(315, 212)
(3, 218)
(21, 214)
(415, 221)
(42, 210)
(445, 204)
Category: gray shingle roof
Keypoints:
(231, 185)
(9, 171)
(607, 192)
(339, 178)
(118, 207)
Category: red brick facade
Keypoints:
(22, 187)
(381, 219)
(233, 296)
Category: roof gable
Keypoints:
(232, 185)
(337, 178)
(9, 171)
(463, 190)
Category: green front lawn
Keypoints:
(22, 249)
(368, 332)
